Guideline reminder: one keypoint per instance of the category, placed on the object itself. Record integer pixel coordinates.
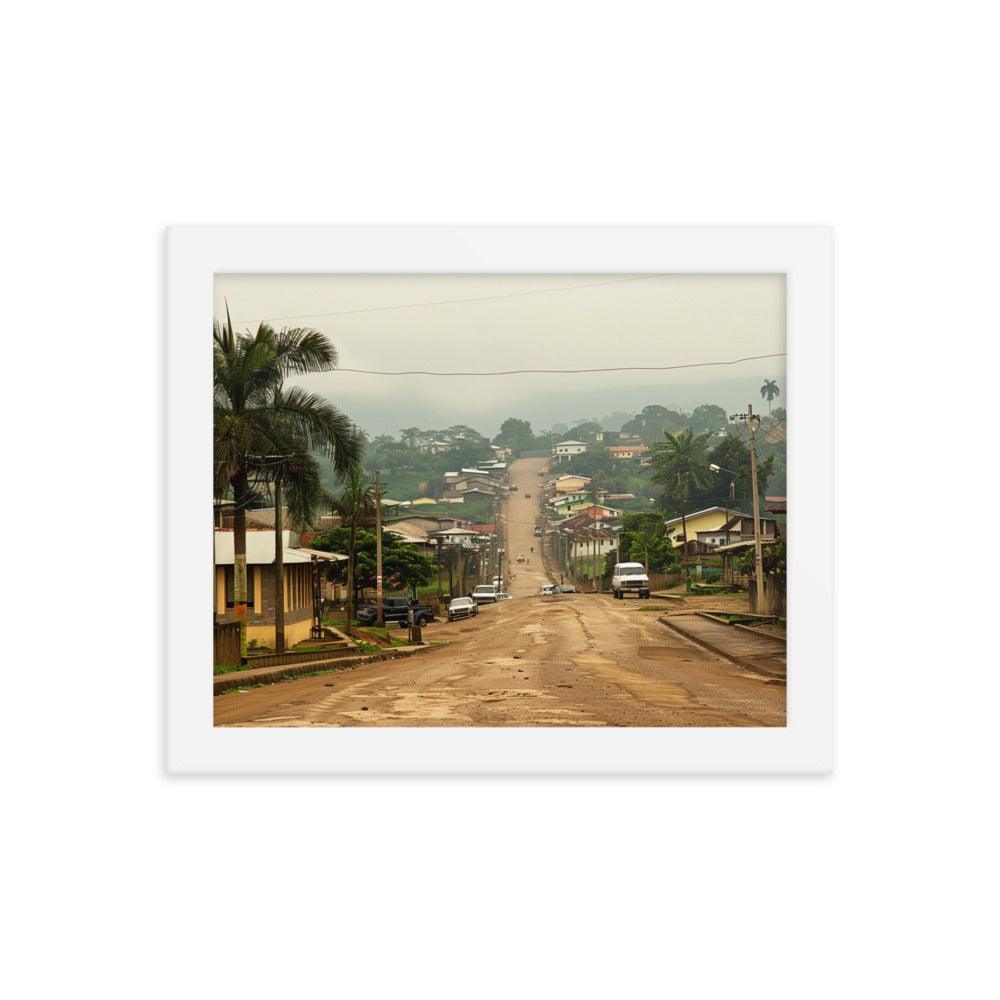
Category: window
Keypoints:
(231, 586)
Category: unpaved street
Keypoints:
(570, 660)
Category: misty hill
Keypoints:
(567, 401)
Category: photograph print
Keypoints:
(499, 500)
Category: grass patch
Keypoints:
(220, 669)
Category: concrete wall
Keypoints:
(775, 588)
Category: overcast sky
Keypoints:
(393, 322)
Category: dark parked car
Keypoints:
(396, 609)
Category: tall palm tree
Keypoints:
(680, 464)
(769, 390)
(293, 469)
(255, 417)
(356, 506)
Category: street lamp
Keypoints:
(732, 489)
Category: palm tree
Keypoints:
(255, 417)
(649, 535)
(356, 506)
(680, 463)
(291, 468)
(769, 390)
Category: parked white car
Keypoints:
(462, 607)
(630, 578)
(485, 593)
(546, 590)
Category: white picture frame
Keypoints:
(195, 254)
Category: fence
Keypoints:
(227, 644)
(323, 651)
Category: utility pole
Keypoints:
(379, 618)
(758, 558)
(279, 569)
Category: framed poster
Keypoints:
(499, 499)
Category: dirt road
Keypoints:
(570, 660)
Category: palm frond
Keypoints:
(301, 350)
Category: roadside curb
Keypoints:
(273, 675)
(739, 661)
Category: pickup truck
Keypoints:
(396, 609)
(630, 578)
(485, 593)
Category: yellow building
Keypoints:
(299, 585)
(570, 484)
(709, 526)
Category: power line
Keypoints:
(571, 371)
(448, 302)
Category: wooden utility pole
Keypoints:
(758, 558)
(379, 618)
(241, 494)
(279, 570)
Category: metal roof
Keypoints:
(731, 511)
(260, 549)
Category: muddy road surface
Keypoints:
(566, 660)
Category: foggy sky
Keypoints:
(663, 319)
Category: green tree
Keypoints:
(356, 507)
(294, 476)
(403, 564)
(586, 431)
(254, 417)
(733, 455)
(515, 434)
(654, 421)
(680, 467)
(642, 537)
(773, 559)
(708, 417)
(769, 390)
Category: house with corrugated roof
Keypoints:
(570, 484)
(567, 449)
(711, 524)
(301, 583)
(627, 451)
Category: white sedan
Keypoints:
(462, 607)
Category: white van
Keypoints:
(630, 578)
(485, 593)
